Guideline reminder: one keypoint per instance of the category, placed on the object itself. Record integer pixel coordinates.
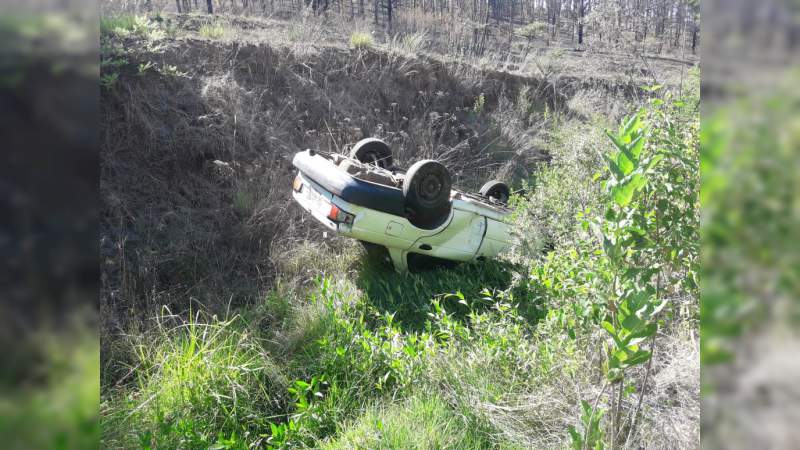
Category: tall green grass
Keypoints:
(424, 421)
(109, 24)
(327, 371)
(198, 384)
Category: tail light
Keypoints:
(297, 185)
(339, 216)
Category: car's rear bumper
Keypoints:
(374, 196)
(367, 224)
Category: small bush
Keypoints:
(532, 29)
(360, 40)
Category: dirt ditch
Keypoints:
(197, 139)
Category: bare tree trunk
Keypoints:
(679, 24)
(178, 5)
(389, 14)
(210, 6)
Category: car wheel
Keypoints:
(372, 151)
(496, 190)
(426, 189)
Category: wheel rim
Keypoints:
(430, 188)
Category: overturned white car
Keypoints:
(414, 214)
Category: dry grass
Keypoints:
(673, 407)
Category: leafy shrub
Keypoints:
(532, 29)
(639, 258)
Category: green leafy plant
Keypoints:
(109, 79)
(592, 436)
(624, 231)
(638, 258)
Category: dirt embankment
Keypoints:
(197, 139)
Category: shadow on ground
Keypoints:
(408, 296)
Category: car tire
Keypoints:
(372, 151)
(426, 190)
(496, 190)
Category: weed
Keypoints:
(361, 41)
(108, 80)
(125, 25)
(480, 103)
(212, 30)
(144, 67)
(409, 298)
(116, 23)
(173, 71)
(243, 203)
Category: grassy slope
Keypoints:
(342, 352)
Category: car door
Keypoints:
(459, 240)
